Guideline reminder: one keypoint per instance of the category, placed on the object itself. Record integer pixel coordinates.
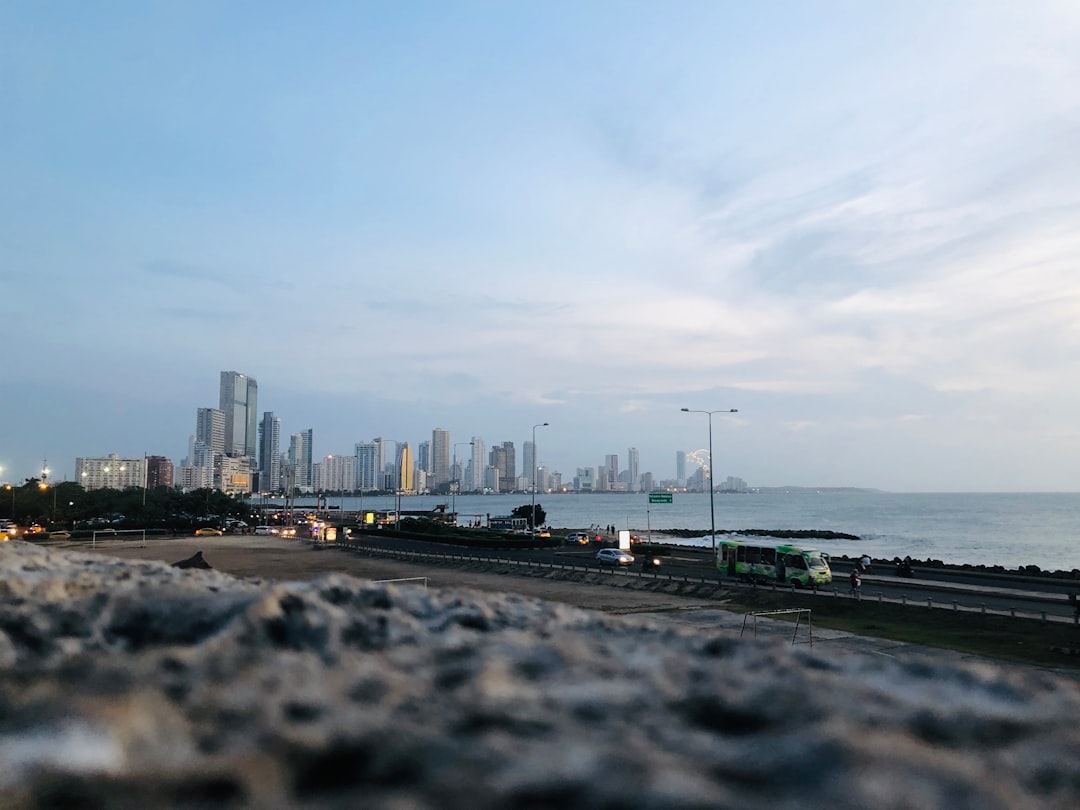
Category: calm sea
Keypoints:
(1010, 529)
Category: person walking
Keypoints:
(856, 582)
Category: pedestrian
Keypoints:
(856, 582)
(864, 563)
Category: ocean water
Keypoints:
(1008, 529)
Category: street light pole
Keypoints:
(712, 484)
(532, 515)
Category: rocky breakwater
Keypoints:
(142, 685)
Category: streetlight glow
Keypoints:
(712, 485)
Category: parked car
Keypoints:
(208, 531)
(614, 556)
(60, 535)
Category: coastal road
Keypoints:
(1004, 593)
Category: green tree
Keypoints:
(534, 519)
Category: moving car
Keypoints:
(264, 530)
(577, 538)
(208, 531)
(60, 535)
(288, 531)
(614, 556)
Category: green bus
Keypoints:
(762, 561)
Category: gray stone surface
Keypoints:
(143, 685)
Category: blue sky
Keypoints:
(855, 222)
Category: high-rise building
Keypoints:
(508, 472)
(111, 472)
(386, 463)
(479, 463)
(611, 468)
(528, 463)
(334, 474)
(270, 453)
(239, 401)
(423, 456)
(367, 466)
(300, 453)
(210, 429)
(159, 472)
(632, 467)
(680, 468)
(406, 483)
(440, 457)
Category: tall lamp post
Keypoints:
(532, 514)
(712, 484)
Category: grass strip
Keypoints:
(1019, 640)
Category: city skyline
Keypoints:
(854, 223)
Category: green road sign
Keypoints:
(659, 497)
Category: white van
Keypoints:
(266, 530)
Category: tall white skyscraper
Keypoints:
(680, 468)
(440, 457)
(367, 476)
(239, 400)
(479, 463)
(632, 465)
(210, 429)
(300, 452)
(528, 461)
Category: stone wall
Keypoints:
(141, 685)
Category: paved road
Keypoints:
(1008, 594)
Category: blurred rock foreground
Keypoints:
(143, 685)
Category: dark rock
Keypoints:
(194, 561)
(341, 692)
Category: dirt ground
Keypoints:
(274, 558)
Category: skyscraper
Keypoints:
(239, 401)
(611, 467)
(508, 470)
(210, 429)
(270, 453)
(300, 452)
(632, 464)
(528, 462)
(440, 457)
(406, 483)
(366, 466)
(680, 468)
(479, 463)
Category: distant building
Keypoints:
(270, 453)
(210, 429)
(300, 458)
(233, 474)
(159, 472)
(334, 474)
(110, 472)
(440, 457)
(406, 479)
(239, 401)
(190, 478)
(478, 464)
(632, 463)
(366, 466)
